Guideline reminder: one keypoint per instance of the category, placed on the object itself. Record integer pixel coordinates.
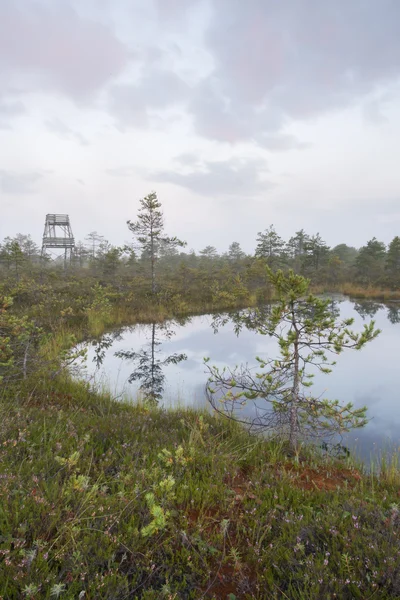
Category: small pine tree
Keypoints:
(307, 331)
(271, 247)
(149, 233)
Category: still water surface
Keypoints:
(368, 377)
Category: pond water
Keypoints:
(169, 359)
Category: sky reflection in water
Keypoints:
(370, 376)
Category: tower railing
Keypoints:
(58, 235)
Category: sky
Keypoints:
(238, 114)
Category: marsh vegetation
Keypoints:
(109, 499)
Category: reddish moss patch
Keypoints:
(323, 479)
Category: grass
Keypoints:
(368, 293)
(105, 500)
(358, 291)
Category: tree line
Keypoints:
(151, 251)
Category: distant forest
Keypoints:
(373, 264)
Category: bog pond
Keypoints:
(170, 358)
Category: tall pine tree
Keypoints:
(392, 265)
(148, 231)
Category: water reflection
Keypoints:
(367, 378)
(149, 363)
(394, 313)
(101, 346)
(261, 396)
(153, 357)
(368, 309)
(254, 319)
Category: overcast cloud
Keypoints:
(233, 177)
(19, 183)
(256, 112)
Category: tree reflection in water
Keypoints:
(367, 308)
(254, 318)
(103, 344)
(149, 362)
(393, 313)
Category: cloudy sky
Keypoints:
(239, 114)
